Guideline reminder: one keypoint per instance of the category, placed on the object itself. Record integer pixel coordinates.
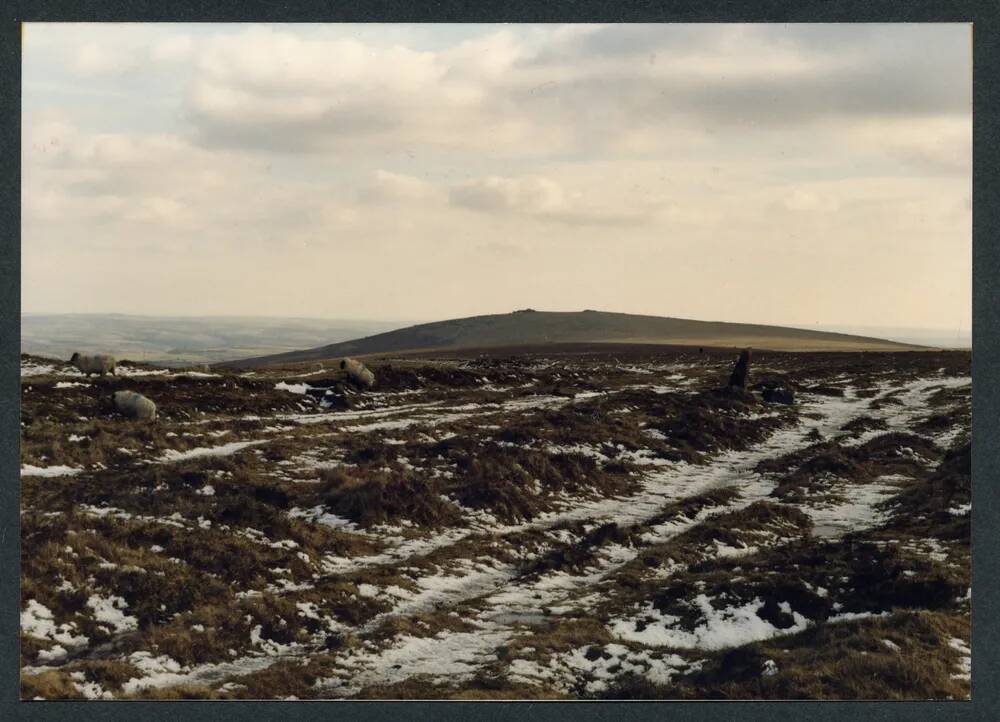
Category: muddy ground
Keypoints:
(585, 525)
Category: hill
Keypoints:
(544, 328)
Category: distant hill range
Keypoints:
(182, 340)
(539, 329)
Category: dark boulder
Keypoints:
(779, 395)
(336, 401)
(734, 393)
(563, 391)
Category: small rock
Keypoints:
(779, 395)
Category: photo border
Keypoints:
(985, 364)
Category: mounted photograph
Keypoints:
(496, 361)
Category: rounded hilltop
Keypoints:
(530, 328)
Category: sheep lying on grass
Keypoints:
(97, 364)
(134, 405)
(358, 373)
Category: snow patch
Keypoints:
(171, 455)
(111, 611)
(720, 628)
(37, 621)
(49, 471)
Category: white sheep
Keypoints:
(358, 373)
(97, 364)
(134, 405)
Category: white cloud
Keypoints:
(173, 49)
(271, 90)
(936, 144)
(491, 57)
(801, 199)
(133, 180)
(388, 187)
(263, 84)
(158, 210)
(632, 164)
(519, 195)
(548, 199)
(94, 58)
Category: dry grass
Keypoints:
(210, 552)
(844, 661)
(810, 471)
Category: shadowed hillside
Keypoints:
(534, 328)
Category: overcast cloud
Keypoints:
(770, 173)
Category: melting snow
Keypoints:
(448, 656)
(721, 628)
(111, 610)
(857, 511)
(29, 470)
(225, 450)
(30, 368)
(37, 621)
(565, 671)
(133, 371)
(965, 661)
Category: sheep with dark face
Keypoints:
(97, 364)
(358, 373)
(134, 405)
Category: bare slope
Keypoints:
(534, 328)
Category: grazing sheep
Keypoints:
(358, 373)
(134, 405)
(97, 364)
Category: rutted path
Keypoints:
(510, 603)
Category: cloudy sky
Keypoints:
(810, 174)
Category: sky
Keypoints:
(786, 174)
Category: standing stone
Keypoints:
(741, 370)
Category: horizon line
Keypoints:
(804, 325)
